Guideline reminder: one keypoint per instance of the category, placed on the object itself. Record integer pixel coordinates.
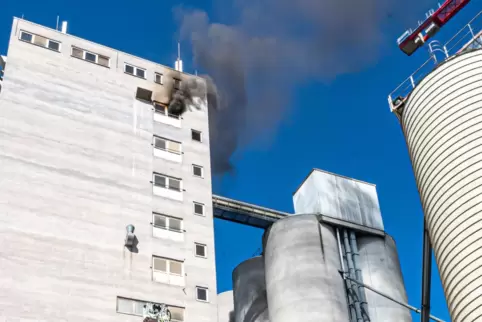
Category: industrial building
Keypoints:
(107, 205)
(439, 107)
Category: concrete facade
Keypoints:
(76, 167)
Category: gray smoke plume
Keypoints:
(273, 45)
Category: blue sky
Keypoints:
(344, 126)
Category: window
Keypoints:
(164, 181)
(158, 78)
(129, 306)
(200, 250)
(167, 266)
(129, 69)
(54, 45)
(90, 56)
(177, 83)
(40, 41)
(26, 36)
(136, 307)
(196, 135)
(162, 109)
(198, 209)
(197, 170)
(135, 71)
(144, 95)
(166, 222)
(202, 294)
(167, 145)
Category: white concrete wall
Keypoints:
(76, 164)
(339, 197)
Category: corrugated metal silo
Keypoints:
(381, 270)
(302, 278)
(249, 287)
(442, 122)
(225, 307)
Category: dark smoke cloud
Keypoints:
(273, 45)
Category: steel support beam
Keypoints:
(413, 308)
(426, 275)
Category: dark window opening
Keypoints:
(90, 57)
(144, 94)
(198, 209)
(197, 171)
(54, 45)
(26, 37)
(129, 69)
(200, 250)
(202, 294)
(196, 135)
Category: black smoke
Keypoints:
(255, 62)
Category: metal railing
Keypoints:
(464, 39)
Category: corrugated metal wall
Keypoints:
(442, 122)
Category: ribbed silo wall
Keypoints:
(249, 288)
(442, 123)
(302, 279)
(225, 307)
(381, 269)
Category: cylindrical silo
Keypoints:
(303, 282)
(381, 269)
(249, 287)
(442, 123)
(225, 307)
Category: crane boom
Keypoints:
(410, 41)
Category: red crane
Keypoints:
(410, 41)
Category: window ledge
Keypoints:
(134, 75)
(168, 229)
(88, 61)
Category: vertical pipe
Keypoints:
(358, 275)
(351, 305)
(351, 273)
(426, 275)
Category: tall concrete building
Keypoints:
(106, 204)
(87, 148)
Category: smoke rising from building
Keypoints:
(274, 45)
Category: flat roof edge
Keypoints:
(333, 174)
(106, 47)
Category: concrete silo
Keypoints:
(442, 122)
(249, 287)
(380, 267)
(225, 307)
(302, 279)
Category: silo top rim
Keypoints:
(333, 174)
